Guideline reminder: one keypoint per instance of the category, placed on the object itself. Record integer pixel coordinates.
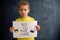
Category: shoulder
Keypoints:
(31, 18)
(17, 19)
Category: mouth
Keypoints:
(23, 14)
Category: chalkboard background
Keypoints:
(46, 12)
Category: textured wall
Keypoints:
(46, 12)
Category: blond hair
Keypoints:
(23, 3)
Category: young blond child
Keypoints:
(24, 9)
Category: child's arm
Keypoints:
(11, 29)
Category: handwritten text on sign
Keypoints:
(24, 29)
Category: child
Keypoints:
(24, 9)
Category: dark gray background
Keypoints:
(46, 12)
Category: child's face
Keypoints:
(24, 10)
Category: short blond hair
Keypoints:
(23, 3)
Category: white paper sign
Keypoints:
(24, 29)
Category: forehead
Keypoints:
(24, 6)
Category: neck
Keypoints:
(24, 16)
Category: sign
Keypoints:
(24, 29)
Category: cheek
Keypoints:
(20, 12)
(28, 11)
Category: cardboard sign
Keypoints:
(24, 29)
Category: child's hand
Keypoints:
(11, 29)
(37, 27)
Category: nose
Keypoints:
(23, 11)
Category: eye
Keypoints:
(20, 9)
(25, 9)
